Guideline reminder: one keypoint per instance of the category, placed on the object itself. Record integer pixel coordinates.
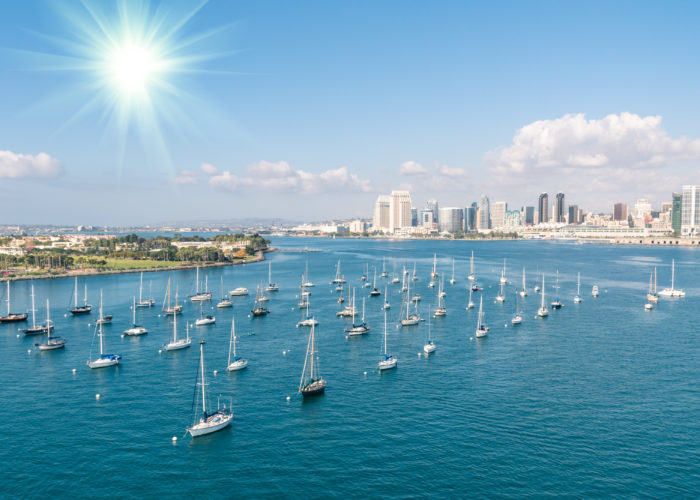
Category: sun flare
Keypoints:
(132, 68)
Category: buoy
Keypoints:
(347, 337)
(122, 335)
(288, 398)
(18, 335)
(215, 372)
(471, 338)
(365, 374)
(419, 355)
(284, 353)
(65, 315)
(505, 326)
(29, 351)
(89, 324)
(97, 396)
(160, 351)
(174, 439)
(73, 370)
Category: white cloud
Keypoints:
(19, 166)
(280, 176)
(412, 168)
(208, 169)
(616, 141)
(186, 177)
(453, 172)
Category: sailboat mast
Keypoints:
(197, 282)
(232, 342)
(269, 272)
(673, 272)
(384, 332)
(311, 352)
(204, 398)
(33, 308)
(543, 291)
(101, 333)
(175, 328)
(134, 311)
(141, 288)
(578, 289)
(75, 294)
(85, 297)
(8, 298)
(48, 318)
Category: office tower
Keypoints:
(573, 214)
(620, 212)
(484, 213)
(414, 217)
(543, 208)
(451, 219)
(425, 218)
(528, 216)
(676, 212)
(559, 208)
(382, 209)
(470, 218)
(400, 210)
(433, 206)
(690, 210)
(642, 209)
(498, 214)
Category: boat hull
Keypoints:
(135, 331)
(13, 318)
(176, 346)
(314, 388)
(212, 424)
(428, 348)
(388, 363)
(237, 365)
(51, 347)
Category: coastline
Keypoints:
(259, 257)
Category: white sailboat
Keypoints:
(652, 296)
(36, 329)
(503, 274)
(434, 273)
(311, 383)
(104, 360)
(84, 309)
(375, 291)
(556, 303)
(177, 344)
(501, 297)
(135, 329)
(200, 296)
(429, 345)
(594, 291)
(410, 319)
(203, 320)
(225, 301)
(470, 304)
(517, 317)
(235, 363)
(51, 341)
(578, 298)
(452, 279)
(384, 273)
(350, 309)
(672, 292)
(361, 328)
(542, 311)
(306, 282)
(169, 310)
(440, 310)
(144, 302)
(308, 319)
(414, 277)
(271, 287)
(523, 290)
(388, 361)
(13, 317)
(481, 329)
(386, 305)
(471, 276)
(208, 422)
(339, 278)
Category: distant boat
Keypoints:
(652, 296)
(452, 279)
(349, 310)
(259, 309)
(384, 273)
(594, 291)
(471, 276)
(225, 301)
(434, 273)
(386, 305)
(481, 329)
(411, 318)
(503, 273)
(542, 312)
(470, 304)
(104, 360)
(84, 309)
(361, 328)
(440, 310)
(204, 320)
(135, 329)
(672, 292)
(208, 422)
(235, 363)
(307, 319)
(36, 329)
(556, 303)
(311, 383)
(306, 281)
(238, 292)
(517, 317)
(271, 287)
(200, 296)
(523, 290)
(429, 345)
(339, 279)
(501, 297)
(578, 298)
(170, 310)
(51, 341)
(177, 344)
(144, 302)
(388, 361)
(375, 291)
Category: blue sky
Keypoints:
(308, 110)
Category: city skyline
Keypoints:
(269, 110)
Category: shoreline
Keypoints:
(259, 257)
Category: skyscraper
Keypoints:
(642, 209)
(559, 208)
(573, 214)
(400, 210)
(620, 212)
(498, 214)
(676, 213)
(543, 208)
(414, 217)
(433, 205)
(451, 219)
(470, 217)
(484, 213)
(528, 215)
(690, 210)
(382, 209)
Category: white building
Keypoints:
(498, 214)
(400, 210)
(690, 211)
(382, 211)
(358, 226)
(642, 209)
(451, 219)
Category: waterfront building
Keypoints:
(559, 214)
(620, 212)
(358, 226)
(414, 217)
(543, 208)
(498, 214)
(676, 212)
(470, 218)
(382, 210)
(451, 219)
(400, 210)
(528, 216)
(642, 209)
(484, 214)
(690, 211)
(573, 214)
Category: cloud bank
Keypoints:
(20, 166)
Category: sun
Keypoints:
(132, 68)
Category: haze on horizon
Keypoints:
(134, 113)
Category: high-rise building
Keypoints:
(484, 219)
(382, 209)
(676, 212)
(513, 219)
(451, 219)
(543, 208)
(528, 216)
(690, 211)
(642, 209)
(573, 214)
(433, 206)
(425, 218)
(414, 217)
(470, 218)
(559, 213)
(666, 206)
(620, 212)
(498, 214)
(400, 210)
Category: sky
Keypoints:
(131, 113)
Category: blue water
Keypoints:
(600, 398)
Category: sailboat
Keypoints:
(594, 291)
(225, 301)
(51, 341)
(470, 304)
(104, 360)
(271, 287)
(208, 422)
(672, 292)
(375, 291)
(410, 319)
(481, 329)
(452, 279)
(307, 319)
(349, 310)
(235, 363)
(84, 309)
(144, 302)
(339, 279)
(386, 305)
(203, 320)
(434, 273)
(306, 281)
(503, 273)
(523, 290)
(36, 329)
(501, 297)
(556, 303)
(652, 296)
(311, 383)
(358, 329)
(517, 317)
(440, 310)
(471, 276)
(176, 343)
(542, 311)
(429, 345)
(104, 319)
(578, 298)
(259, 309)
(204, 294)
(388, 361)
(170, 310)
(384, 273)
(135, 329)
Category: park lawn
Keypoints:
(125, 264)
